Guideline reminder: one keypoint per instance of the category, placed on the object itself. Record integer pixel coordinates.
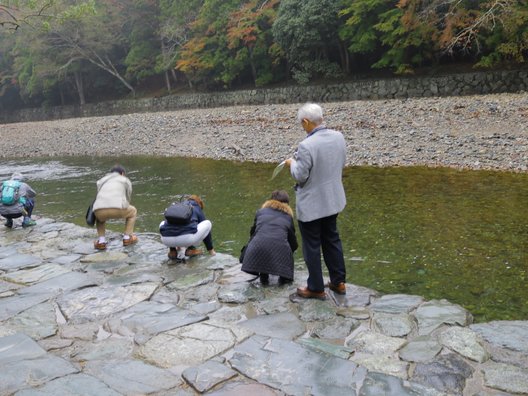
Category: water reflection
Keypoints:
(439, 233)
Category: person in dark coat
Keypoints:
(272, 240)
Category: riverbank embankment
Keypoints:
(128, 321)
(470, 132)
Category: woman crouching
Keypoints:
(272, 240)
(182, 236)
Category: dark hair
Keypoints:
(118, 169)
(281, 196)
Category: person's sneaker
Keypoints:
(100, 245)
(130, 241)
(340, 288)
(28, 223)
(192, 251)
(9, 223)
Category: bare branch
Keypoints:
(469, 35)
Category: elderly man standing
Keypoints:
(317, 168)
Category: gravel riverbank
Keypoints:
(475, 132)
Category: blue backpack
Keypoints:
(10, 192)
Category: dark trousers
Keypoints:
(28, 210)
(317, 234)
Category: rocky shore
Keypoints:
(473, 132)
(127, 321)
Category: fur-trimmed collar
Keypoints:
(277, 205)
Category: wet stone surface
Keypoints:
(130, 322)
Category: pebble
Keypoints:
(468, 132)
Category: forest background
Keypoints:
(61, 52)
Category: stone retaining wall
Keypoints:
(400, 87)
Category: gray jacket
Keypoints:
(24, 191)
(318, 168)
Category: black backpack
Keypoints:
(179, 213)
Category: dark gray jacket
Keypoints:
(24, 191)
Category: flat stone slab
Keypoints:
(18, 347)
(190, 345)
(315, 310)
(6, 251)
(191, 280)
(37, 322)
(239, 293)
(148, 318)
(100, 302)
(75, 384)
(294, 369)
(505, 334)
(19, 261)
(322, 346)
(505, 377)
(66, 259)
(394, 325)
(337, 328)
(356, 296)
(377, 384)
(132, 377)
(375, 343)
(8, 286)
(207, 375)
(38, 274)
(396, 303)
(20, 374)
(281, 325)
(60, 284)
(420, 349)
(434, 313)
(389, 365)
(447, 373)
(11, 306)
(353, 312)
(102, 350)
(104, 257)
(465, 342)
(240, 388)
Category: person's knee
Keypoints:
(132, 211)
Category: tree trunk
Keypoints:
(163, 56)
(252, 64)
(80, 87)
(61, 94)
(167, 81)
(345, 57)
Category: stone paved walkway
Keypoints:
(129, 322)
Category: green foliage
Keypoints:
(143, 39)
(47, 46)
(307, 31)
(361, 17)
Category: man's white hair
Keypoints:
(312, 112)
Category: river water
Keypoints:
(434, 232)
